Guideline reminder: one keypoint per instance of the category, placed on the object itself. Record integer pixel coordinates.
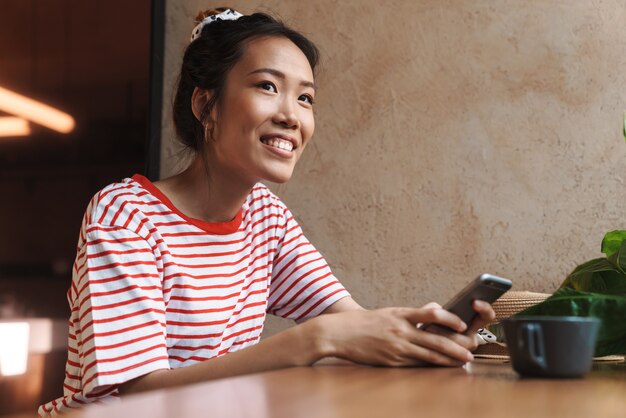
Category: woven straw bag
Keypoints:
(509, 304)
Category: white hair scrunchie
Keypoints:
(228, 14)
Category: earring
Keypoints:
(208, 131)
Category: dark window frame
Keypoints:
(157, 42)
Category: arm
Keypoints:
(296, 346)
(382, 337)
(343, 305)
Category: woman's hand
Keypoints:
(390, 337)
(469, 339)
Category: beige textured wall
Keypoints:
(453, 138)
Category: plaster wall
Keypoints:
(452, 138)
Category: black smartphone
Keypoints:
(485, 287)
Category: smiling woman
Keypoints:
(265, 114)
(173, 279)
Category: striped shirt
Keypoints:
(154, 289)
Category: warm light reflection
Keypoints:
(13, 348)
(13, 126)
(27, 108)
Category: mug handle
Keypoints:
(535, 351)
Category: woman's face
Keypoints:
(265, 117)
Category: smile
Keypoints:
(278, 143)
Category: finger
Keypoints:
(475, 341)
(485, 313)
(418, 355)
(467, 340)
(437, 316)
(406, 354)
(431, 305)
(447, 346)
(484, 309)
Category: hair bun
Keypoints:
(209, 16)
(210, 12)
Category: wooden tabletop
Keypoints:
(481, 389)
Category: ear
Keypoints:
(199, 100)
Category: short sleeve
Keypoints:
(117, 325)
(302, 284)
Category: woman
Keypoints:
(171, 276)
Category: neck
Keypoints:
(216, 197)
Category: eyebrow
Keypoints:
(282, 75)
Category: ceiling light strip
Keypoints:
(34, 111)
(12, 126)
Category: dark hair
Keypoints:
(209, 58)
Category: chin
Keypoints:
(278, 177)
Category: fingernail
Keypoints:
(470, 357)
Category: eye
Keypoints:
(268, 86)
(307, 98)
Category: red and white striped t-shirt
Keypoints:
(153, 289)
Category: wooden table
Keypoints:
(482, 389)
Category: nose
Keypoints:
(286, 116)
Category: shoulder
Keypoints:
(107, 206)
(262, 196)
(263, 208)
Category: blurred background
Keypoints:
(452, 138)
(87, 64)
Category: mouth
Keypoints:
(280, 141)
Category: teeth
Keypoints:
(279, 143)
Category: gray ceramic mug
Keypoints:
(553, 346)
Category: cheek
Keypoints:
(308, 126)
(249, 111)
(258, 109)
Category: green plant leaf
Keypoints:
(599, 275)
(624, 126)
(596, 288)
(612, 242)
(619, 258)
(611, 309)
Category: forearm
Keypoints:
(387, 337)
(301, 345)
(343, 305)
